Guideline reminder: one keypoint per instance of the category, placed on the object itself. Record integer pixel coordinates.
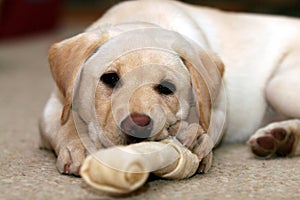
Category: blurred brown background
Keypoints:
(20, 17)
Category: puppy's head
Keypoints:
(138, 95)
(144, 93)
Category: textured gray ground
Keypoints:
(29, 173)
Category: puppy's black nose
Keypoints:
(137, 127)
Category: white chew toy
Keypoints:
(123, 169)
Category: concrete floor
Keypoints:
(29, 173)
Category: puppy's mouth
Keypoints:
(136, 136)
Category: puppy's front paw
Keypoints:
(195, 139)
(272, 141)
(70, 158)
(203, 149)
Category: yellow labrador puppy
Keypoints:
(148, 70)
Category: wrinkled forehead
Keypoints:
(139, 47)
(148, 59)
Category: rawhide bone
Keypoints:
(123, 169)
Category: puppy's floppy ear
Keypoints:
(206, 84)
(65, 60)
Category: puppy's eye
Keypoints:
(110, 79)
(165, 87)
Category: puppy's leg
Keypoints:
(49, 123)
(194, 138)
(63, 139)
(283, 93)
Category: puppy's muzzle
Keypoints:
(137, 127)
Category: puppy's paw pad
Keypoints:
(266, 142)
(278, 133)
(269, 142)
(205, 164)
(287, 147)
(66, 169)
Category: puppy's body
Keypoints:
(252, 48)
(261, 55)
